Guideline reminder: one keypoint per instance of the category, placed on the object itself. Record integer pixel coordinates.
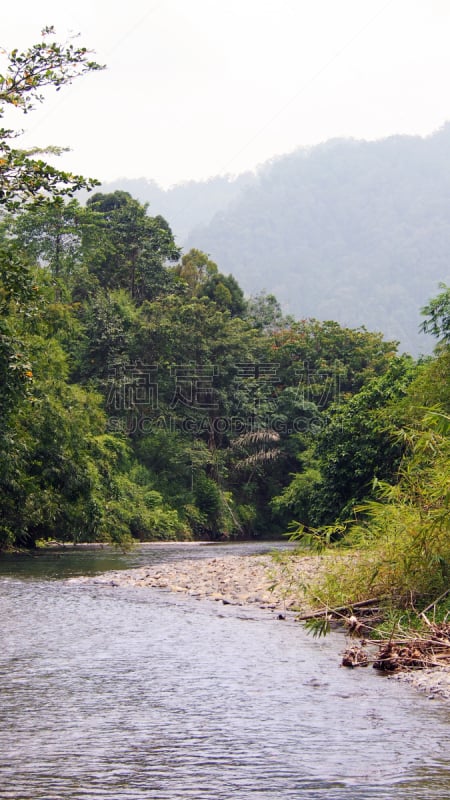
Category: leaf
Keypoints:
(318, 626)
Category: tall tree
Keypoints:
(23, 177)
(126, 248)
(51, 235)
(194, 269)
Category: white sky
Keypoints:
(196, 88)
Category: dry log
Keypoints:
(417, 653)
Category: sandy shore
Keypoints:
(246, 580)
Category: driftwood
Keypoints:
(355, 657)
(414, 651)
(417, 652)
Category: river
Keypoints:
(132, 694)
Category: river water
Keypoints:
(126, 694)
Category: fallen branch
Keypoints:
(435, 602)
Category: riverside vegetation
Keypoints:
(144, 397)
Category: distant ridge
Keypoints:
(186, 205)
(349, 230)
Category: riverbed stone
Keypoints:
(244, 580)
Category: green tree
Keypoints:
(194, 269)
(202, 278)
(326, 360)
(18, 297)
(23, 177)
(403, 538)
(126, 249)
(109, 321)
(264, 312)
(50, 234)
(437, 314)
(347, 446)
(225, 292)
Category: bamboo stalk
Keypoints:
(338, 610)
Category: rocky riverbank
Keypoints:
(276, 585)
(434, 682)
(237, 580)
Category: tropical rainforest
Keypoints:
(144, 396)
(326, 227)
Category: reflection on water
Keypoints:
(63, 562)
(126, 694)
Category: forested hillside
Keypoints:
(143, 396)
(354, 231)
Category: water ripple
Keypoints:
(124, 695)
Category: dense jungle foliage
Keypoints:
(365, 219)
(144, 396)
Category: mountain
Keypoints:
(185, 205)
(354, 231)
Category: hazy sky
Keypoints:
(195, 88)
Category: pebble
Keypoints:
(234, 580)
(434, 682)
